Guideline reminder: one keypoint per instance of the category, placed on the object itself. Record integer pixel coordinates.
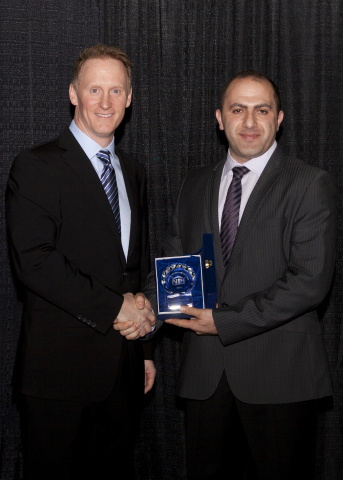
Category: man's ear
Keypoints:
(279, 119)
(219, 118)
(72, 94)
(129, 98)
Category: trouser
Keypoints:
(83, 440)
(228, 439)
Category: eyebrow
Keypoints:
(262, 105)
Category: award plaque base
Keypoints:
(186, 280)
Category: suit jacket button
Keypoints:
(125, 274)
(93, 324)
(225, 304)
(89, 322)
(79, 317)
(84, 319)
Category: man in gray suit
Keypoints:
(253, 369)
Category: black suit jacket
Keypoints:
(66, 250)
(269, 339)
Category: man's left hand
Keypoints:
(150, 374)
(201, 322)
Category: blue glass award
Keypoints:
(186, 280)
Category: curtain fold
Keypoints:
(182, 53)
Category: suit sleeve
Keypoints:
(304, 282)
(34, 224)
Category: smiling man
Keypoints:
(253, 369)
(78, 232)
(250, 116)
(101, 95)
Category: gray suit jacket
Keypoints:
(269, 338)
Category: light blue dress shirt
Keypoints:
(91, 148)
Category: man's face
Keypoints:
(101, 98)
(249, 118)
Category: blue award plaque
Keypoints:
(178, 282)
(186, 280)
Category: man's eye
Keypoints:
(237, 110)
(115, 90)
(264, 112)
(94, 90)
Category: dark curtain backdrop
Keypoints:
(182, 52)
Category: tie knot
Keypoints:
(104, 156)
(240, 171)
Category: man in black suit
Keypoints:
(253, 369)
(78, 233)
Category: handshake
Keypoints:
(135, 318)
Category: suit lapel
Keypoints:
(266, 181)
(211, 219)
(76, 158)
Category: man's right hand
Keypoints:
(135, 318)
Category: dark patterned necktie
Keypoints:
(109, 182)
(229, 225)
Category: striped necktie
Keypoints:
(229, 225)
(109, 182)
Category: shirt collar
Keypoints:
(256, 165)
(88, 145)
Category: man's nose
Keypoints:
(249, 120)
(105, 101)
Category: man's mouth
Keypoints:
(249, 136)
(103, 115)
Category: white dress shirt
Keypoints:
(91, 148)
(256, 167)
